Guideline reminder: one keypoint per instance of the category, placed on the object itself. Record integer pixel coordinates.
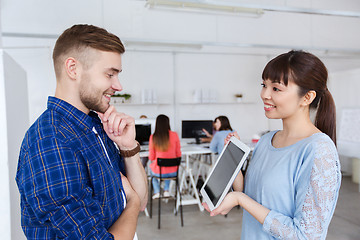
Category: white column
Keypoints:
(14, 121)
(5, 219)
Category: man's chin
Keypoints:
(101, 109)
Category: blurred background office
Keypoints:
(189, 59)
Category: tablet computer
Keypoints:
(224, 172)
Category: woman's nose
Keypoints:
(265, 93)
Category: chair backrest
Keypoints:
(168, 162)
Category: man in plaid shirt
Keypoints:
(79, 172)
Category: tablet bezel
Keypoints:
(246, 149)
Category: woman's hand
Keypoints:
(232, 134)
(231, 200)
(206, 133)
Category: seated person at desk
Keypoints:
(164, 143)
(222, 128)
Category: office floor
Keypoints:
(345, 224)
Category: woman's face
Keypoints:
(217, 124)
(280, 101)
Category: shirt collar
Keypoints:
(73, 114)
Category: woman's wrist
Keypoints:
(240, 198)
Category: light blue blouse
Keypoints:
(217, 142)
(298, 183)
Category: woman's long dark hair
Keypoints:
(224, 123)
(309, 73)
(161, 134)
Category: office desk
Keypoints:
(187, 150)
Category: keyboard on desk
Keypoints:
(144, 148)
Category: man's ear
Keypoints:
(71, 67)
(309, 97)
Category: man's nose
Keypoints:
(117, 85)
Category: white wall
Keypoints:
(41, 78)
(226, 75)
(176, 76)
(345, 87)
(131, 19)
(175, 72)
(38, 16)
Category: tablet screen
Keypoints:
(223, 172)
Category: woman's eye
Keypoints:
(110, 75)
(276, 89)
(263, 85)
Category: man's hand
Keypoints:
(119, 127)
(125, 225)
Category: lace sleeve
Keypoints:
(314, 209)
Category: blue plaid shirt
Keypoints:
(68, 187)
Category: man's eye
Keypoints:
(110, 75)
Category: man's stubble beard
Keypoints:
(91, 97)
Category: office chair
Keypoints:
(167, 162)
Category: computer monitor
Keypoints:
(143, 132)
(193, 128)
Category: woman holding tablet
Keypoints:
(293, 179)
(164, 143)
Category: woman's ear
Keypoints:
(309, 97)
(70, 67)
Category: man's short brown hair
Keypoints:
(75, 42)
